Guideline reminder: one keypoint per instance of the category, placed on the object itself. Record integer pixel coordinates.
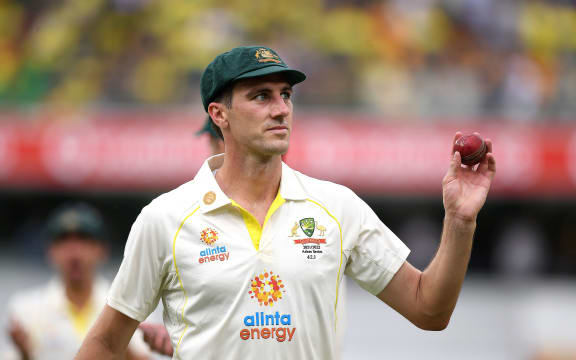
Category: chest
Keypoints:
(301, 242)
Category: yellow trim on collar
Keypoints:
(253, 226)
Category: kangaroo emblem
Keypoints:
(320, 228)
(294, 230)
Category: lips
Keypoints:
(279, 127)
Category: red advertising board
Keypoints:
(117, 152)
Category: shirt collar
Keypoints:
(290, 186)
(212, 197)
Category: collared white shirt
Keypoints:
(45, 314)
(234, 290)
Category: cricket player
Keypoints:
(249, 256)
(155, 335)
(50, 322)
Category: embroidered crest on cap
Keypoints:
(265, 55)
(209, 197)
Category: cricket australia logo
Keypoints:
(312, 248)
(265, 55)
(308, 225)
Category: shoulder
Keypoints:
(325, 192)
(32, 298)
(173, 204)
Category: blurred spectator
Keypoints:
(50, 322)
(432, 58)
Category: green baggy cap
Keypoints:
(76, 218)
(241, 63)
(208, 128)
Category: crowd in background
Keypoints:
(425, 59)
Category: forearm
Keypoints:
(109, 337)
(441, 282)
(96, 347)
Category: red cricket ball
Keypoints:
(472, 149)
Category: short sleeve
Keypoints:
(136, 290)
(375, 253)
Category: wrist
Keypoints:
(459, 220)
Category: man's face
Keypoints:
(260, 118)
(76, 257)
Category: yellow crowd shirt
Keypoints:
(233, 289)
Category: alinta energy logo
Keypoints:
(267, 289)
(213, 252)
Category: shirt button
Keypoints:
(209, 197)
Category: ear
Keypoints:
(218, 113)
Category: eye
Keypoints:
(261, 96)
(286, 95)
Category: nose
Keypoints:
(280, 107)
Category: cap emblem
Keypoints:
(265, 55)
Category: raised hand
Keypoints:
(464, 188)
(21, 339)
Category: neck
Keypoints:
(78, 293)
(250, 180)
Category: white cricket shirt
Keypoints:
(234, 290)
(54, 328)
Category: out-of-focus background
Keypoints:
(99, 101)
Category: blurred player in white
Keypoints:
(50, 322)
(248, 257)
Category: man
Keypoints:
(50, 322)
(249, 256)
